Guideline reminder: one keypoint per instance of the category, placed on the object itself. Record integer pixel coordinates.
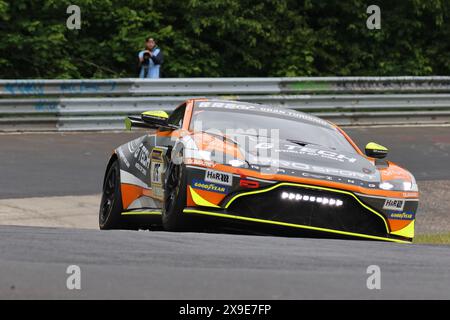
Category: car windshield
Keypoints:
(231, 122)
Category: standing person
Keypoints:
(150, 60)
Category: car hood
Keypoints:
(313, 161)
(269, 157)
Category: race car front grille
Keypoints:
(310, 207)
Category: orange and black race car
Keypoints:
(257, 168)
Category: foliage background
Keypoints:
(223, 38)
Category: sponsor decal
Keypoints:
(225, 105)
(156, 173)
(316, 176)
(299, 173)
(409, 215)
(265, 109)
(123, 157)
(203, 185)
(300, 150)
(156, 154)
(410, 194)
(293, 114)
(198, 162)
(132, 146)
(219, 177)
(140, 153)
(311, 168)
(394, 204)
(397, 173)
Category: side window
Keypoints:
(177, 116)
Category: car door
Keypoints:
(143, 162)
(160, 153)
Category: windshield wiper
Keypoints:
(304, 143)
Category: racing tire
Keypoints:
(111, 204)
(175, 196)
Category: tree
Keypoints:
(223, 38)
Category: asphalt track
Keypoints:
(163, 265)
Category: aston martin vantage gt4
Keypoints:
(260, 167)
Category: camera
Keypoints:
(146, 58)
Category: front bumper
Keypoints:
(302, 211)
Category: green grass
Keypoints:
(443, 238)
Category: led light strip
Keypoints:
(322, 200)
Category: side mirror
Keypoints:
(149, 119)
(375, 150)
(155, 117)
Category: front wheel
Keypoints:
(175, 196)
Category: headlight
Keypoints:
(197, 154)
(238, 163)
(386, 186)
(399, 185)
(409, 186)
(217, 158)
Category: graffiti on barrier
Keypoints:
(25, 87)
(32, 87)
(46, 106)
(88, 87)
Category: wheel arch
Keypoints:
(111, 160)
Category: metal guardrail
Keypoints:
(215, 86)
(132, 105)
(102, 104)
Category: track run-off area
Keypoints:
(49, 198)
